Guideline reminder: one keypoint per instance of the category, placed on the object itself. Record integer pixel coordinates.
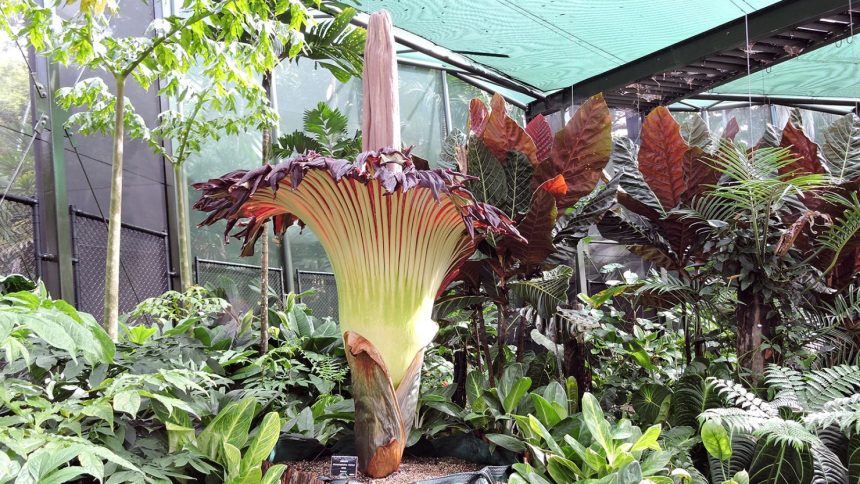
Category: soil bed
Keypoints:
(411, 469)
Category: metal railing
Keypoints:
(144, 259)
(19, 237)
(323, 302)
(238, 283)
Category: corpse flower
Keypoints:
(394, 234)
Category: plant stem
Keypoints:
(181, 194)
(264, 243)
(482, 340)
(112, 263)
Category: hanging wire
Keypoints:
(37, 128)
(749, 79)
(101, 213)
(850, 23)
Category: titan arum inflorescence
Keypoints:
(394, 234)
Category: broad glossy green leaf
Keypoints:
(507, 442)
(562, 470)
(127, 401)
(231, 425)
(262, 445)
(651, 402)
(716, 440)
(598, 426)
(539, 429)
(547, 414)
(648, 440)
(273, 475)
(516, 394)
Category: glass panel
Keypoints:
(752, 120)
(422, 116)
(15, 121)
(460, 94)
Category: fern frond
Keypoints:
(786, 432)
(844, 412)
(735, 394)
(736, 419)
(828, 384)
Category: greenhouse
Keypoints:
(430, 241)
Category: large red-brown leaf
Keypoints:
(537, 225)
(698, 173)
(502, 134)
(477, 117)
(680, 234)
(538, 128)
(804, 149)
(732, 129)
(580, 151)
(661, 157)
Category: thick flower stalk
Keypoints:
(393, 234)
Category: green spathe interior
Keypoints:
(390, 253)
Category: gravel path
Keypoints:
(411, 469)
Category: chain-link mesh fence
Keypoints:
(323, 302)
(238, 283)
(144, 270)
(19, 237)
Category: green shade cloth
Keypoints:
(831, 71)
(551, 44)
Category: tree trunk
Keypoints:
(754, 328)
(485, 345)
(264, 238)
(112, 262)
(461, 370)
(576, 362)
(184, 235)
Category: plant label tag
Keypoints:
(343, 466)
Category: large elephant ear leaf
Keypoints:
(804, 149)
(636, 196)
(537, 224)
(580, 151)
(518, 175)
(841, 148)
(661, 157)
(732, 129)
(780, 463)
(695, 132)
(545, 293)
(699, 175)
(540, 132)
(586, 213)
(502, 134)
(491, 185)
(478, 115)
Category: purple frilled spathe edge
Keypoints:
(224, 198)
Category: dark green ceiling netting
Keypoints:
(551, 44)
(831, 71)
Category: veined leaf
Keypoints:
(661, 157)
(699, 176)
(502, 134)
(263, 443)
(732, 129)
(447, 305)
(540, 132)
(804, 149)
(695, 132)
(518, 175)
(580, 151)
(841, 148)
(537, 224)
(478, 114)
(506, 442)
(231, 425)
(597, 425)
(716, 440)
(780, 463)
(574, 226)
(546, 293)
(491, 186)
(636, 195)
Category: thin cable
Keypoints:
(749, 79)
(37, 128)
(101, 213)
